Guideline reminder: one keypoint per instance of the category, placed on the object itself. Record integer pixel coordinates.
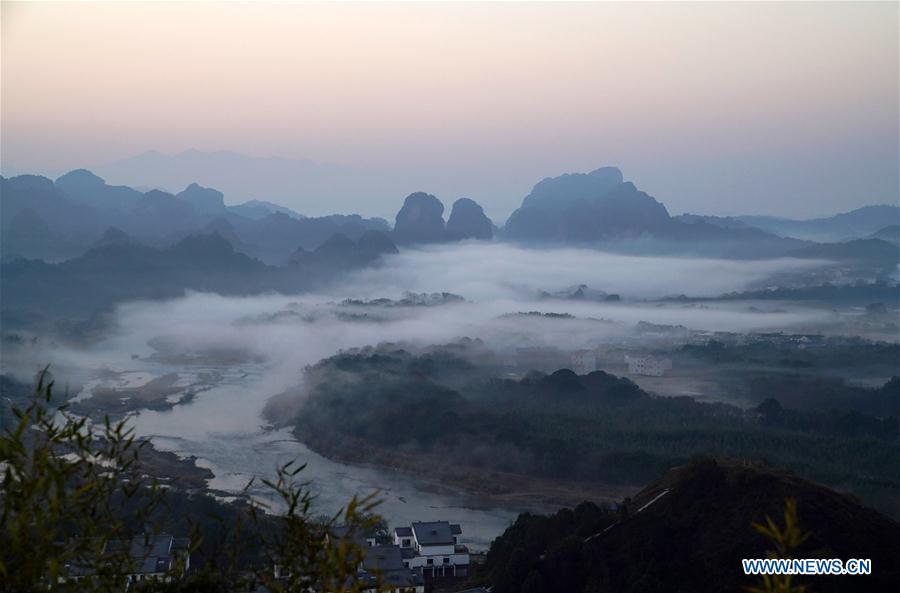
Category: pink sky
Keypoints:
(785, 108)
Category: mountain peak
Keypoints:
(420, 220)
(114, 236)
(203, 246)
(205, 199)
(336, 244)
(468, 221)
(586, 208)
(82, 177)
(158, 194)
(611, 174)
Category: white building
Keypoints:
(648, 365)
(382, 568)
(433, 548)
(584, 362)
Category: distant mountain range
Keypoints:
(600, 208)
(242, 177)
(89, 222)
(872, 250)
(55, 220)
(120, 269)
(859, 223)
(257, 209)
(848, 225)
(40, 218)
(890, 233)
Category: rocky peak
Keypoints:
(204, 199)
(420, 220)
(467, 221)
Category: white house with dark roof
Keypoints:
(420, 551)
(433, 547)
(382, 567)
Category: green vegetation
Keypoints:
(823, 353)
(590, 428)
(69, 488)
(786, 541)
(688, 531)
(881, 290)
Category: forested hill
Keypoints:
(688, 532)
(585, 429)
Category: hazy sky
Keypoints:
(783, 108)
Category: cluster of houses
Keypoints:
(423, 551)
(649, 366)
(419, 553)
(631, 350)
(585, 361)
(161, 558)
(433, 548)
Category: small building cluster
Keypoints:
(161, 558)
(384, 566)
(421, 552)
(432, 548)
(648, 365)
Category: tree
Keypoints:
(69, 487)
(786, 540)
(306, 552)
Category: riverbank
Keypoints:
(490, 487)
(115, 393)
(172, 470)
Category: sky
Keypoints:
(719, 108)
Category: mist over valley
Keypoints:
(476, 297)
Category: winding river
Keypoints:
(223, 428)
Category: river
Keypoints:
(263, 343)
(223, 428)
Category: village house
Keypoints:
(433, 548)
(160, 558)
(382, 568)
(648, 365)
(422, 550)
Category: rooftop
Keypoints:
(435, 533)
(383, 558)
(147, 554)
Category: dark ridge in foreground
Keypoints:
(689, 531)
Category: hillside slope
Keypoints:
(689, 531)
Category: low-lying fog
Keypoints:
(264, 342)
(499, 270)
(290, 331)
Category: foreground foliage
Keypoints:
(70, 487)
